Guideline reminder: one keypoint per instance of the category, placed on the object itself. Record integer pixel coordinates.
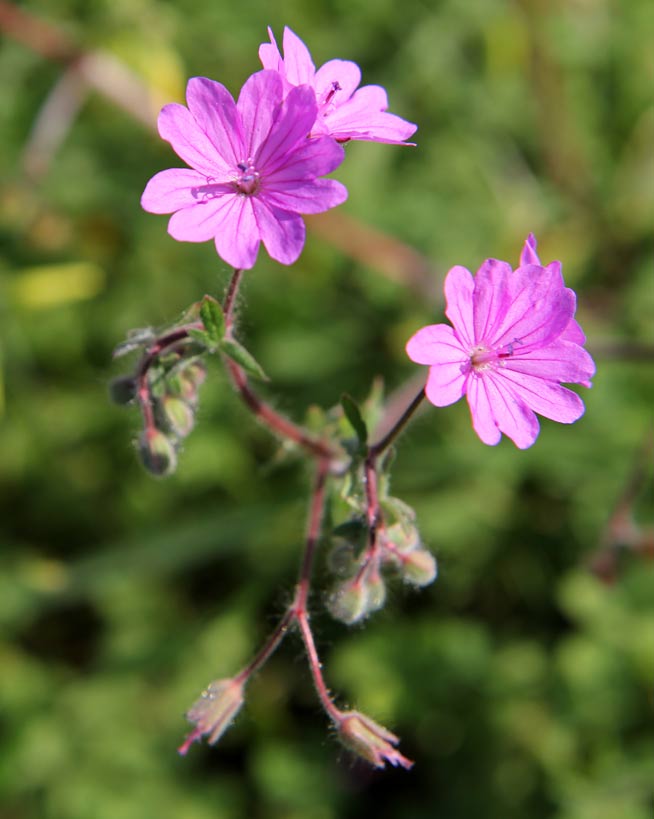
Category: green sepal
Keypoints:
(213, 319)
(353, 415)
(243, 358)
(203, 338)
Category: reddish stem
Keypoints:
(269, 647)
(316, 668)
(275, 422)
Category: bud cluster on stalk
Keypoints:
(165, 384)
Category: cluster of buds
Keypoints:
(397, 550)
(165, 383)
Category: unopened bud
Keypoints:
(370, 740)
(122, 390)
(179, 416)
(214, 711)
(419, 567)
(376, 591)
(402, 537)
(341, 559)
(191, 379)
(359, 596)
(349, 602)
(157, 453)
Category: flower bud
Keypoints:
(402, 537)
(122, 390)
(191, 379)
(419, 567)
(359, 596)
(214, 711)
(370, 740)
(178, 415)
(157, 453)
(376, 591)
(349, 602)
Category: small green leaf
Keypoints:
(243, 358)
(213, 319)
(353, 415)
(203, 338)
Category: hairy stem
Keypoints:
(376, 449)
(271, 419)
(269, 647)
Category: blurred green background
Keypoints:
(520, 682)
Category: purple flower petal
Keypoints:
(258, 104)
(529, 254)
(296, 118)
(512, 414)
(542, 396)
(483, 420)
(309, 197)
(177, 126)
(214, 111)
(437, 344)
(238, 239)
(459, 293)
(535, 314)
(200, 222)
(344, 73)
(298, 64)
(560, 361)
(311, 157)
(364, 116)
(282, 232)
(491, 297)
(171, 190)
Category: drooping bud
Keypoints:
(370, 740)
(158, 454)
(122, 390)
(214, 711)
(419, 567)
(376, 590)
(179, 416)
(402, 537)
(191, 379)
(349, 602)
(359, 596)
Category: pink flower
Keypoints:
(254, 169)
(513, 341)
(343, 111)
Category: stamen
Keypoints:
(248, 181)
(335, 87)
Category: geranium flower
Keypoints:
(345, 111)
(253, 169)
(513, 341)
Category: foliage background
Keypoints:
(520, 683)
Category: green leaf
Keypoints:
(203, 338)
(353, 415)
(243, 358)
(213, 319)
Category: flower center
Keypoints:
(248, 180)
(485, 358)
